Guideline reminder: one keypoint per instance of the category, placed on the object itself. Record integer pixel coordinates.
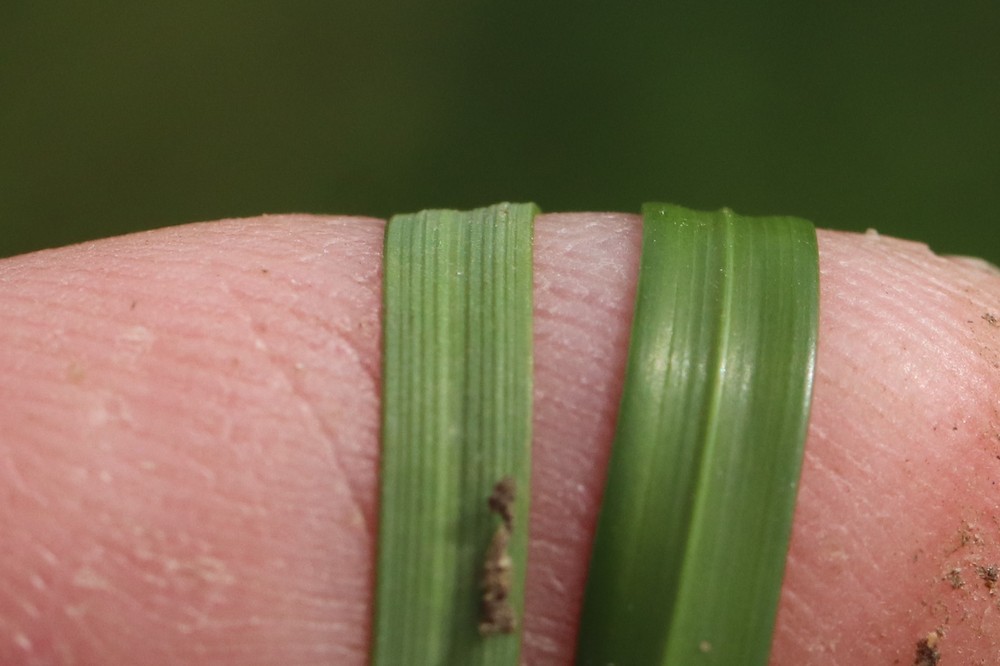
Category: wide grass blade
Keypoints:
(456, 422)
(696, 515)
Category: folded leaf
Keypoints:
(696, 516)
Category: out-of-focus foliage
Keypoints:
(117, 116)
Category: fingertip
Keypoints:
(190, 445)
(899, 463)
(190, 421)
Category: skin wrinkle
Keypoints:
(284, 368)
(883, 501)
(363, 507)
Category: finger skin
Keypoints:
(189, 446)
(901, 480)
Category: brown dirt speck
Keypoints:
(967, 535)
(501, 501)
(990, 575)
(496, 615)
(991, 319)
(927, 652)
(954, 578)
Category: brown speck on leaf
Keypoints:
(501, 501)
(954, 578)
(496, 615)
(927, 652)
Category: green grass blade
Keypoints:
(456, 420)
(696, 517)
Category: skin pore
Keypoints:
(189, 446)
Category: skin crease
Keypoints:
(189, 446)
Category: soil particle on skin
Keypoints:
(927, 652)
(967, 535)
(954, 578)
(496, 615)
(990, 575)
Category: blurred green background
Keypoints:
(122, 115)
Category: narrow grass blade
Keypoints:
(456, 420)
(696, 516)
